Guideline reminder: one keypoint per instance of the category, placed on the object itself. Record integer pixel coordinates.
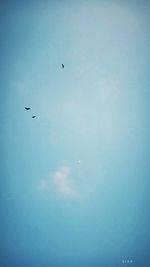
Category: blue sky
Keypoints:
(74, 180)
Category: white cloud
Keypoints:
(60, 180)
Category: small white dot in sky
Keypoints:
(79, 161)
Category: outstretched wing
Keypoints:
(27, 108)
(33, 117)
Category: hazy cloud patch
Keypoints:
(60, 181)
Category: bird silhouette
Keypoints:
(62, 66)
(33, 117)
(27, 108)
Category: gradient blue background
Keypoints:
(75, 180)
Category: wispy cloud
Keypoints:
(60, 181)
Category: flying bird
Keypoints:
(62, 66)
(27, 108)
(33, 117)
